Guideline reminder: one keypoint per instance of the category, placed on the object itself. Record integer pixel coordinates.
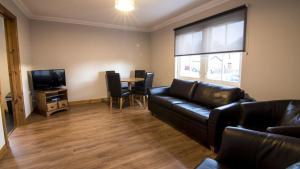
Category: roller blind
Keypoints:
(222, 33)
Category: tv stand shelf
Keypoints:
(51, 101)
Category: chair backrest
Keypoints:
(139, 73)
(106, 73)
(110, 71)
(114, 84)
(263, 114)
(148, 80)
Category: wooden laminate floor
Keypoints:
(90, 137)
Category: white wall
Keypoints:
(4, 75)
(24, 45)
(86, 52)
(270, 70)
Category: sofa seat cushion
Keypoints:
(193, 111)
(166, 101)
(182, 89)
(213, 96)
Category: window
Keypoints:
(189, 67)
(222, 68)
(212, 49)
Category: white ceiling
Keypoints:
(149, 14)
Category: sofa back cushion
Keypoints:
(213, 96)
(289, 125)
(292, 131)
(182, 89)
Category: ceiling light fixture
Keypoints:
(125, 5)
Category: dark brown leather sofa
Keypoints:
(199, 109)
(249, 149)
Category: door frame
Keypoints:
(14, 67)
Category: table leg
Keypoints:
(129, 86)
(131, 97)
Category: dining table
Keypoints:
(131, 81)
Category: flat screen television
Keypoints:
(48, 79)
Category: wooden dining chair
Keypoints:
(142, 91)
(106, 73)
(115, 89)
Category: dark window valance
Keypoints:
(221, 33)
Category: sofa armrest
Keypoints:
(247, 98)
(219, 119)
(243, 148)
(158, 91)
(260, 115)
(240, 147)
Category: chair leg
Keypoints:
(129, 98)
(144, 101)
(121, 104)
(132, 99)
(110, 103)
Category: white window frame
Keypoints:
(203, 72)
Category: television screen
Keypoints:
(47, 79)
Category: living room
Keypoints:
(212, 70)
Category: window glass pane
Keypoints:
(189, 43)
(189, 66)
(214, 67)
(197, 42)
(224, 33)
(235, 33)
(218, 42)
(222, 68)
(231, 67)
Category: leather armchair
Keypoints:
(249, 149)
(281, 117)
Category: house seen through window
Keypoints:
(222, 68)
